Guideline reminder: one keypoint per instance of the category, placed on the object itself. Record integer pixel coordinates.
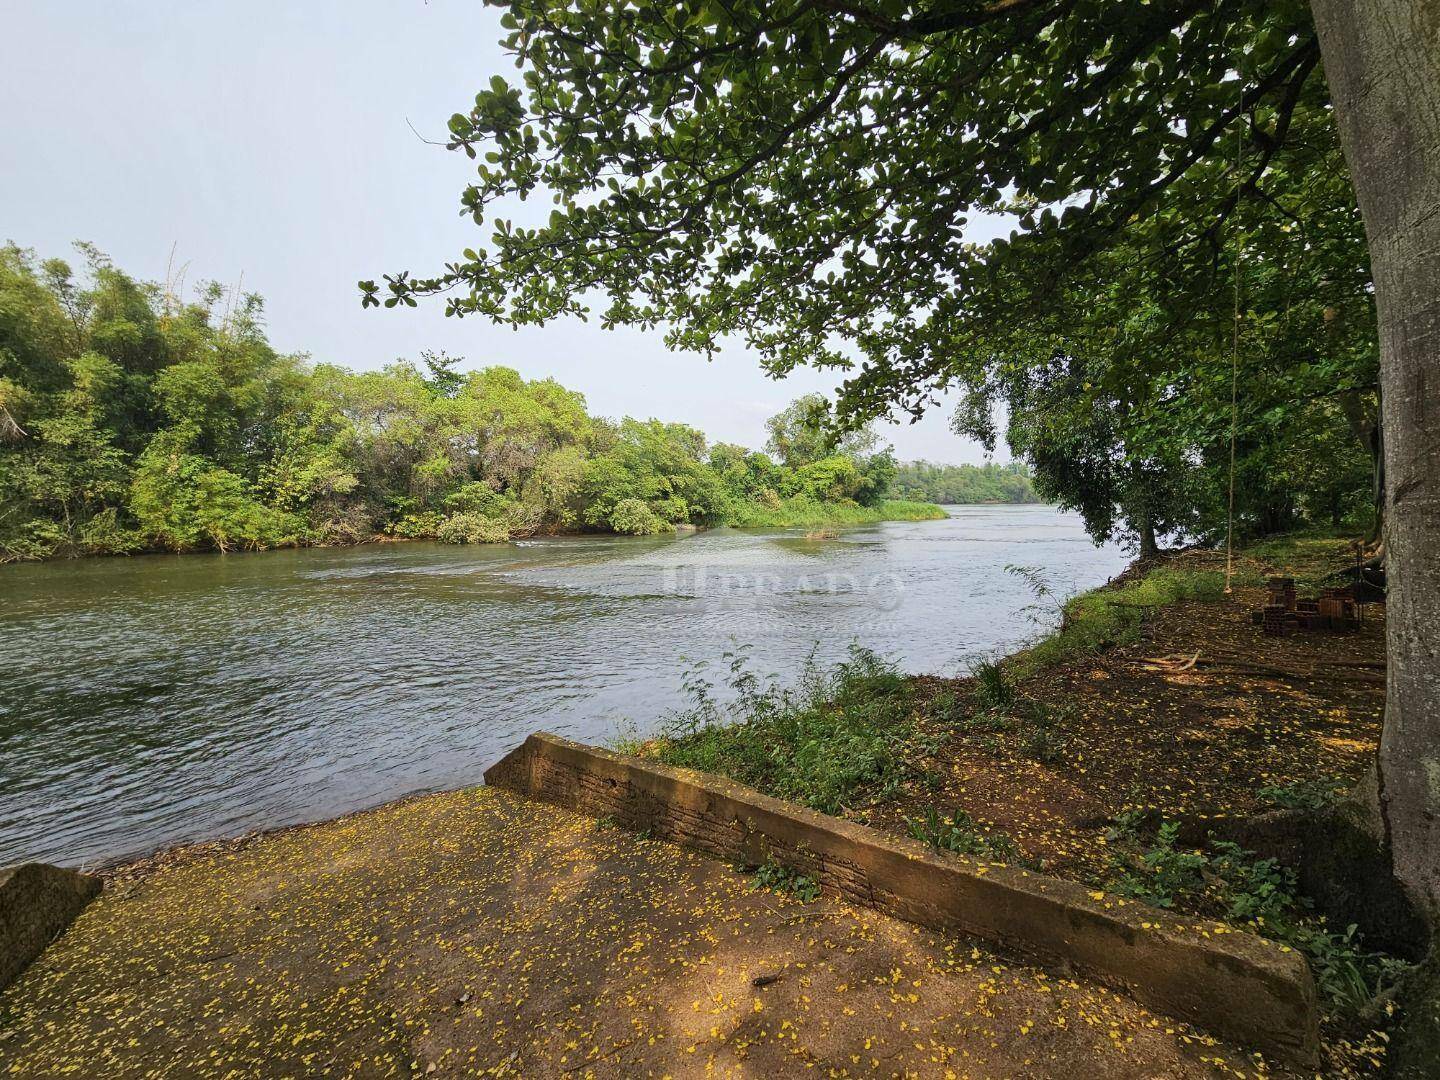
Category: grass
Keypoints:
(1114, 615)
(842, 738)
(805, 513)
(1309, 557)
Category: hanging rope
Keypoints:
(1234, 364)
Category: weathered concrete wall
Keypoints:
(37, 901)
(1233, 984)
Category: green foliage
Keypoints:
(960, 833)
(1225, 881)
(635, 517)
(783, 879)
(828, 479)
(132, 420)
(1308, 795)
(993, 688)
(1044, 743)
(841, 738)
(185, 501)
(806, 513)
(804, 178)
(471, 527)
(965, 484)
(806, 431)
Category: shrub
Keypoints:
(469, 528)
(842, 738)
(417, 526)
(1044, 745)
(634, 517)
(782, 879)
(1227, 882)
(1310, 795)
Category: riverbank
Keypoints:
(791, 513)
(1105, 752)
(475, 933)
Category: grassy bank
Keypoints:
(1115, 615)
(807, 513)
(1085, 754)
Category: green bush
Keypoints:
(1310, 795)
(1225, 881)
(634, 516)
(782, 879)
(423, 526)
(471, 528)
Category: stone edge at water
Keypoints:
(1235, 984)
(37, 902)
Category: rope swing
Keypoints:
(1234, 366)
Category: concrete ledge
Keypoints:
(1232, 984)
(37, 901)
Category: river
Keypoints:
(159, 699)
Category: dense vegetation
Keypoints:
(961, 484)
(130, 419)
(841, 737)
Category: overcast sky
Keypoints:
(272, 140)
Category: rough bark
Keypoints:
(1382, 60)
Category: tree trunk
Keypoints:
(1365, 426)
(1382, 60)
(1148, 543)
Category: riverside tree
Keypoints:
(800, 173)
(132, 420)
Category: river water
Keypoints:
(159, 699)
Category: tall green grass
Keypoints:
(842, 737)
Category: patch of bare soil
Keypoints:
(1194, 720)
(476, 934)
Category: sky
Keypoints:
(270, 145)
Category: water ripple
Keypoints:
(154, 700)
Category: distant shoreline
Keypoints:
(750, 517)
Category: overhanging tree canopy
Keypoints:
(801, 174)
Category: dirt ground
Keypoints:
(474, 933)
(1137, 728)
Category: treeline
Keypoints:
(133, 420)
(961, 484)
